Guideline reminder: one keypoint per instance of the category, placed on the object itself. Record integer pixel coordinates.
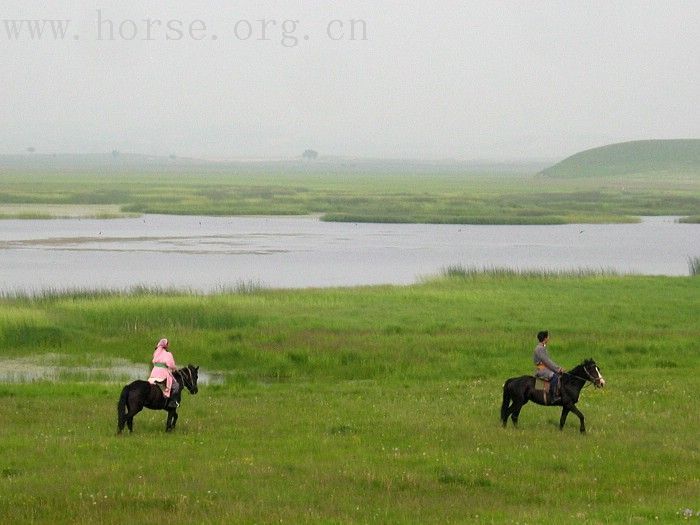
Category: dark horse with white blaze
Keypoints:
(141, 394)
(519, 390)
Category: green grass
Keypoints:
(375, 404)
(347, 194)
(661, 158)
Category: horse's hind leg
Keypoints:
(513, 412)
(516, 412)
(130, 422)
(130, 417)
(505, 405)
(505, 412)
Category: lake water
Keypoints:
(210, 253)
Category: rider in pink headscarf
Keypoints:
(163, 368)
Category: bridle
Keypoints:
(594, 380)
(182, 371)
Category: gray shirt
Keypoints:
(542, 356)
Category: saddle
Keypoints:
(160, 383)
(543, 385)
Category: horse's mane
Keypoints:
(579, 369)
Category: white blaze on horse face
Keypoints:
(602, 381)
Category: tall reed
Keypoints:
(694, 266)
(467, 272)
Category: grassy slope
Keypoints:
(660, 157)
(362, 405)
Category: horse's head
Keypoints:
(593, 373)
(189, 376)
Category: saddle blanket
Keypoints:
(160, 383)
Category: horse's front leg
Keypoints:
(580, 417)
(172, 419)
(572, 408)
(562, 420)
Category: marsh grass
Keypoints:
(447, 197)
(372, 404)
(53, 293)
(458, 271)
(694, 266)
(37, 211)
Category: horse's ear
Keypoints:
(196, 368)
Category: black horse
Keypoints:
(139, 394)
(519, 390)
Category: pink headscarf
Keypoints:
(163, 343)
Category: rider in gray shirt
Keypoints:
(545, 367)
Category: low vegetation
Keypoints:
(453, 194)
(376, 404)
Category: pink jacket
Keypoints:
(163, 366)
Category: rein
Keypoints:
(585, 380)
(184, 379)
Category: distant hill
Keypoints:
(628, 158)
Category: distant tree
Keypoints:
(310, 154)
(115, 153)
(31, 149)
(173, 157)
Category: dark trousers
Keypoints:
(553, 385)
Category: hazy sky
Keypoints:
(409, 79)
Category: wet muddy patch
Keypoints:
(60, 367)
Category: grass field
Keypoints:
(374, 194)
(375, 404)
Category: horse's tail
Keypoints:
(121, 409)
(506, 401)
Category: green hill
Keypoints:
(680, 156)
